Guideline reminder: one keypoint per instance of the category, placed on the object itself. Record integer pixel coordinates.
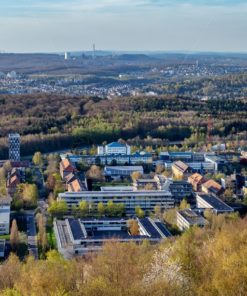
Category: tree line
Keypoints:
(50, 122)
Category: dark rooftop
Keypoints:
(216, 203)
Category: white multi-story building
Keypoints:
(187, 218)
(114, 148)
(206, 201)
(4, 216)
(121, 171)
(146, 199)
(79, 236)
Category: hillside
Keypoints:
(66, 121)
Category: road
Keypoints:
(31, 236)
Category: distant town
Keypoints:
(109, 75)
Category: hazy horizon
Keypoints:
(34, 26)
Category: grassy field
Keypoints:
(6, 236)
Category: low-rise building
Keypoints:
(188, 218)
(196, 180)
(4, 215)
(80, 236)
(15, 177)
(146, 199)
(114, 148)
(70, 178)
(117, 188)
(179, 189)
(217, 161)
(186, 156)
(137, 158)
(66, 168)
(212, 187)
(76, 186)
(121, 171)
(234, 182)
(206, 201)
(146, 184)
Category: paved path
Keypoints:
(31, 237)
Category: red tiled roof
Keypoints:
(211, 184)
(196, 178)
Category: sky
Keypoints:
(128, 25)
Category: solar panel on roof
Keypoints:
(163, 229)
(75, 229)
(216, 203)
(150, 228)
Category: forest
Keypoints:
(201, 262)
(52, 122)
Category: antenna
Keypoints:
(94, 51)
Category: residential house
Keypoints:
(66, 168)
(196, 180)
(212, 187)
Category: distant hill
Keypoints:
(85, 63)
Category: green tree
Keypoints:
(184, 205)
(110, 208)
(3, 180)
(14, 236)
(30, 195)
(139, 212)
(83, 208)
(101, 209)
(228, 195)
(37, 159)
(58, 208)
(170, 216)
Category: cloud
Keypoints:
(50, 6)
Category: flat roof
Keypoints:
(181, 153)
(192, 217)
(140, 193)
(96, 220)
(146, 181)
(117, 188)
(14, 135)
(124, 168)
(155, 229)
